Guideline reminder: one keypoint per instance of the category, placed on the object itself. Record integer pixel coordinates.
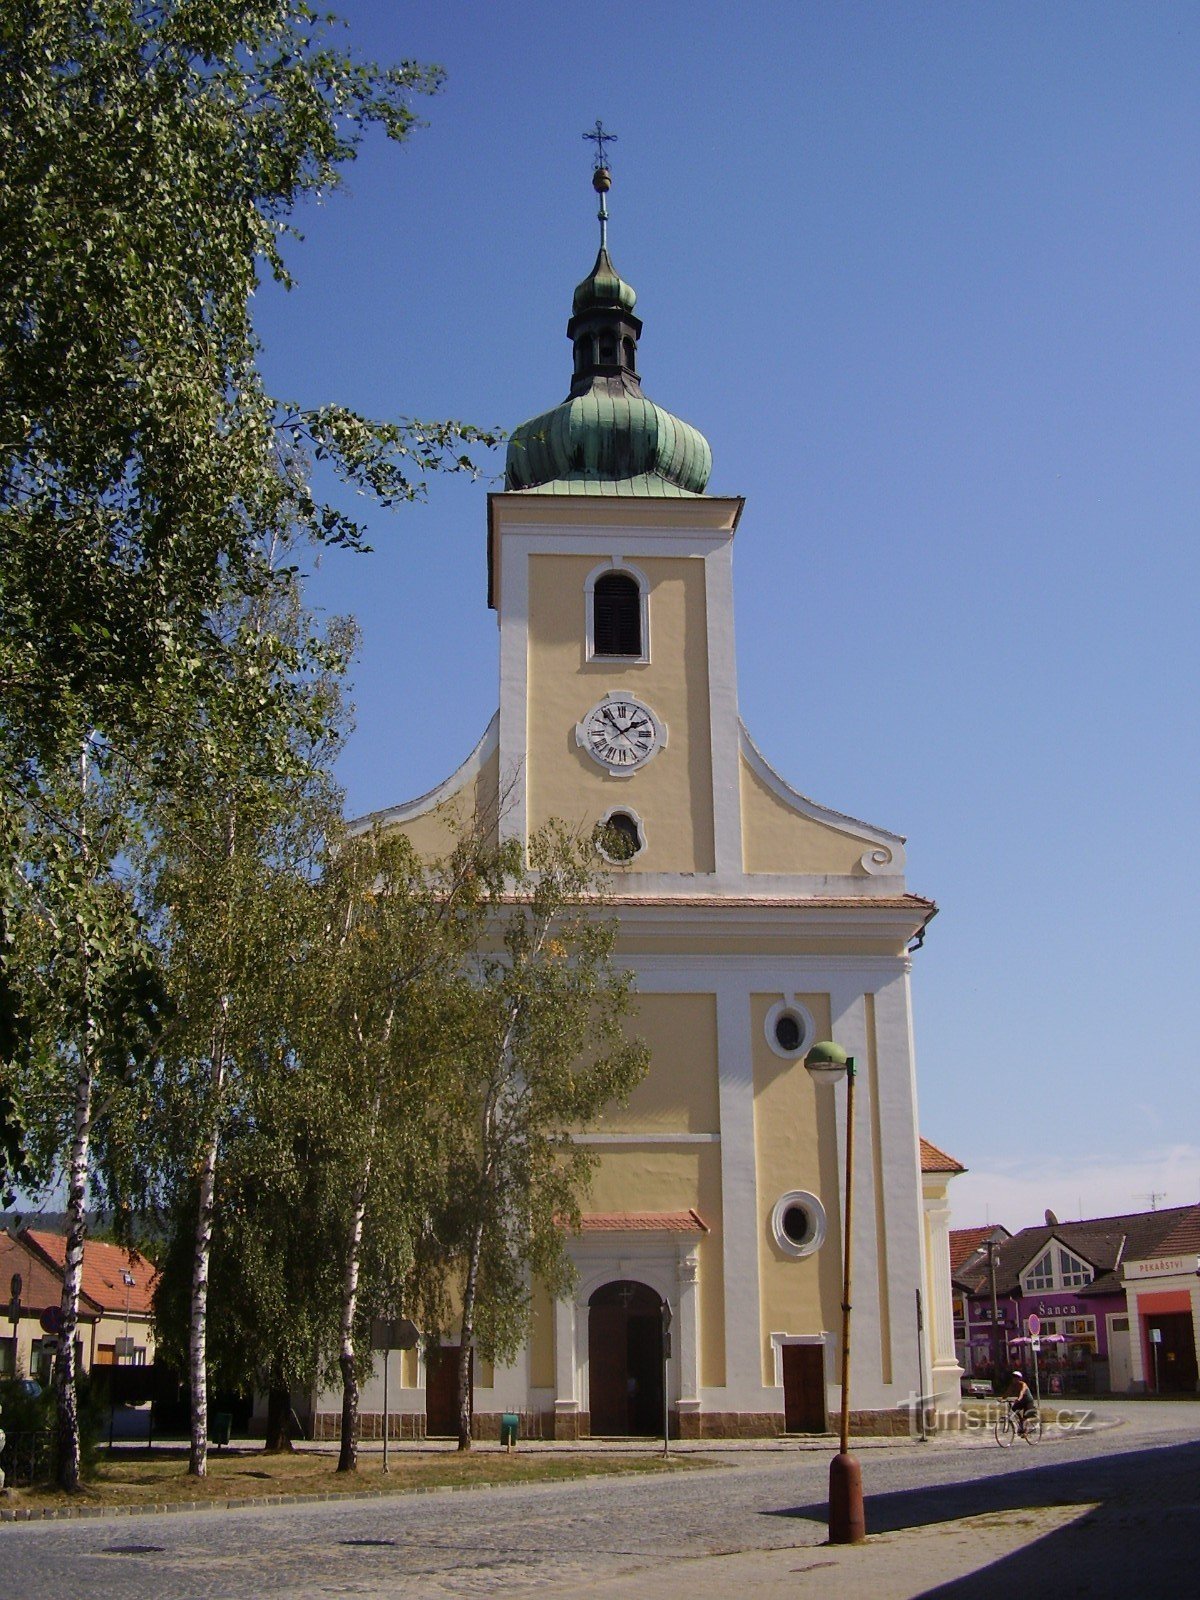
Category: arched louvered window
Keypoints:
(630, 353)
(608, 350)
(617, 616)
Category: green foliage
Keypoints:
(542, 1051)
(82, 970)
(152, 156)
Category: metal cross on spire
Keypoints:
(600, 139)
(601, 177)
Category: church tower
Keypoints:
(755, 920)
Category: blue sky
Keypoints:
(925, 276)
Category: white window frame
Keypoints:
(627, 811)
(1076, 1276)
(628, 570)
(814, 1239)
(790, 1006)
(1033, 1281)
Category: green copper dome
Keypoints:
(604, 286)
(604, 443)
(606, 437)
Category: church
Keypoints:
(756, 921)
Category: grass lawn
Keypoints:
(132, 1479)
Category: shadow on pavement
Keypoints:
(1138, 1539)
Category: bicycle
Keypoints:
(1018, 1425)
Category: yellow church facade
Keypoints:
(756, 921)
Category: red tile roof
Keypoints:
(1184, 1237)
(965, 1241)
(644, 1222)
(935, 1160)
(40, 1284)
(103, 1265)
(1103, 1242)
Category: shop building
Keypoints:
(1098, 1288)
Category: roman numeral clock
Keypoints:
(621, 734)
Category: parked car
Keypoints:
(977, 1388)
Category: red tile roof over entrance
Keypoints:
(644, 1222)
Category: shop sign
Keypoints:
(1163, 1267)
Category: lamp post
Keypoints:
(827, 1063)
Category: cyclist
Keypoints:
(1020, 1399)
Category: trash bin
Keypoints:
(509, 1424)
(220, 1426)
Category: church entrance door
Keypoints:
(625, 1361)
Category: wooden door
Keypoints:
(804, 1388)
(625, 1361)
(607, 1382)
(441, 1391)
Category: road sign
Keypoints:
(1033, 1324)
(52, 1319)
(394, 1333)
(1035, 1344)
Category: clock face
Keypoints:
(621, 733)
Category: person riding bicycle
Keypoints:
(1020, 1398)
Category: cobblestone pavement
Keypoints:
(1110, 1512)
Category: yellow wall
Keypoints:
(795, 1144)
(679, 1094)
(541, 1338)
(432, 832)
(658, 1178)
(673, 793)
(778, 839)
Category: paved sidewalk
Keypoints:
(890, 1566)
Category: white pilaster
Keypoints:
(687, 1321)
(723, 713)
(739, 1195)
(566, 1361)
(514, 695)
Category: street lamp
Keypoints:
(827, 1063)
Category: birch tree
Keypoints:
(544, 1053)
(240, 824)
(90, 984)
(381, 998)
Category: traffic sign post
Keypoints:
(388, 1334)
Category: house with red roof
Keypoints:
(115, 1304)
(969, 1252)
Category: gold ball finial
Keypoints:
(602, 180)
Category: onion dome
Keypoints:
(606, 437)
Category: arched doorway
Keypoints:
(625, 1360)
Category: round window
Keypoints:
(789, 1035)
(798, 1223)
(619, 836)
(789, 1028)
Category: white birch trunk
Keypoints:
(348, 1452)
(67, 1407)
(64, 1363)
(201, 1255)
